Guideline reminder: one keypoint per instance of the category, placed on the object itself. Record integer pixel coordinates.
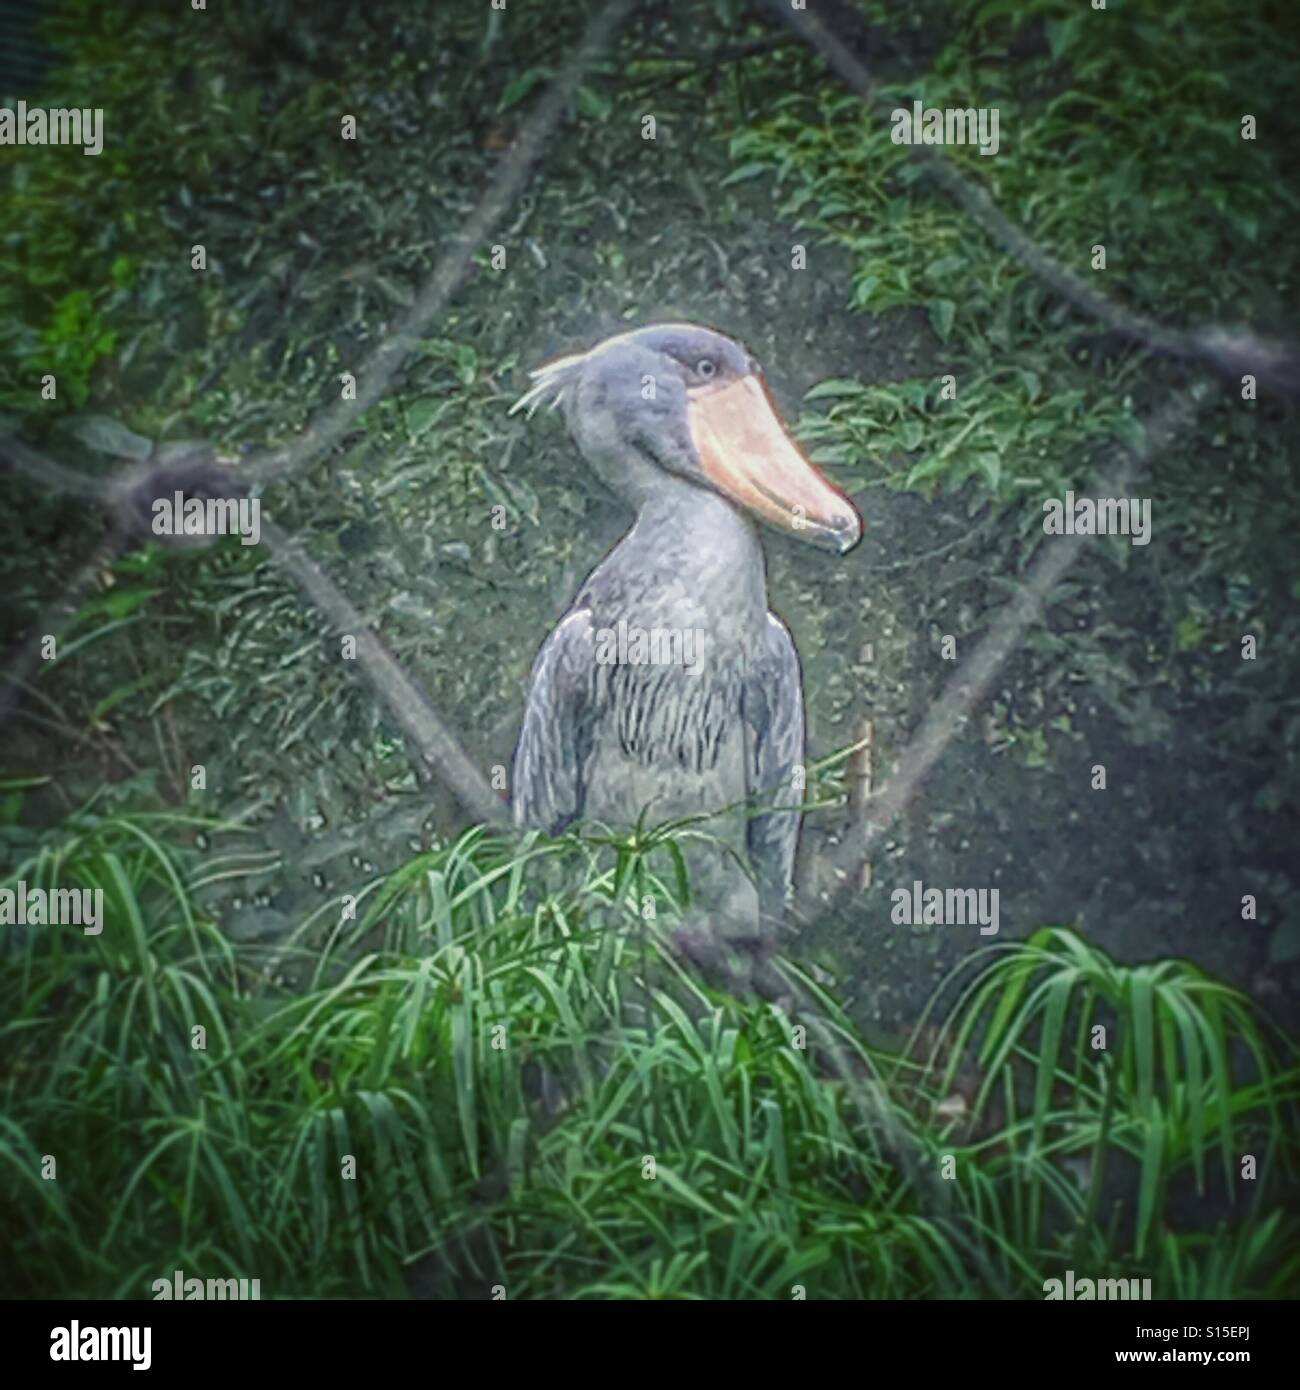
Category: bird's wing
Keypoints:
(555, 741)
(773, 709)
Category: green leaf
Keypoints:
(1189, 634)
(1246, 223)
(929, 467)
(990, 465)
(1149, 1181)
(1062, 34)
(593, 103)
(423, 415)
(942, 312)
(122, 692)
(746, 172)
(117, 604)
(105, 435)
(945, 266)
(835, 387)
(1132, 432)
(909, 435)
(863, 290)
(521, 86)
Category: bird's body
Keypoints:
(669, 689)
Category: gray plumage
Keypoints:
(718, 725)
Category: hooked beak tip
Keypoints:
(844, 530)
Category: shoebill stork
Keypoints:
(669, 687)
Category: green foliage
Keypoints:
(1089, 1059)
(1132, 146)
(1064, 114)
(72, 343)
(501, 1057)
(226, 132)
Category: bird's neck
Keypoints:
(692, 552)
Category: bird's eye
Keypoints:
(705, 368)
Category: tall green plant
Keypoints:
(496, 1073)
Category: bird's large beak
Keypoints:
(748, 456)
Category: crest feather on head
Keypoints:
(555, 377)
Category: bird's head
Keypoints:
(684, 401)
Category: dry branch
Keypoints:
(376, 373)
(1232, 352)
(418, 720)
